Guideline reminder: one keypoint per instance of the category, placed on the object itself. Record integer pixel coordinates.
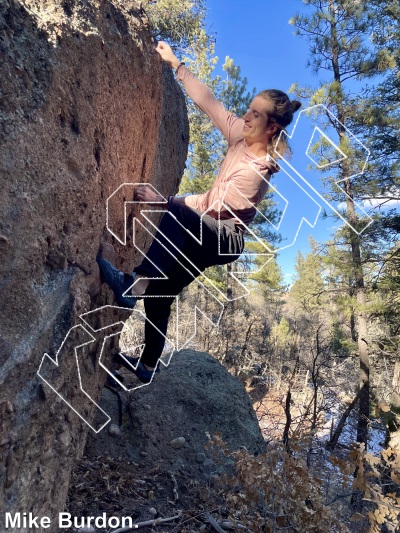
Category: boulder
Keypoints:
(85, 106)
(168, 423)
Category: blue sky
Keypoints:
(258, 37)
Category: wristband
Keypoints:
(179, 66)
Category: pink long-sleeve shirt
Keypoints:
(239, 186)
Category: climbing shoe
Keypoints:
(118, 281)
(115, 380)
(136, 366)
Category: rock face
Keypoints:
(166, 424)
(85, 106)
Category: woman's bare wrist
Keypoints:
(175, 63)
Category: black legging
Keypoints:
(217, 238)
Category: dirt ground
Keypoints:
(142, 472)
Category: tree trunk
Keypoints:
(229, 281)
(338, 431)
(314, 379)
(288, 419)
(396, 385)
(355, 246)
(246, 339)
(353, 329)
(393, 428)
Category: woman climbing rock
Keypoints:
(217, 219)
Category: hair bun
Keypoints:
(295, 105)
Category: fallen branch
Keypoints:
(214, 523)
(231, 525)
(153, 522)
(340, 496)
(175, 489)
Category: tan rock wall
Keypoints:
(85, 106)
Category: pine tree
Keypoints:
(338, 31)
(382, 123)
(381, 103)
(178, 22)
(204, 143)
(308, 288)
(233, 91)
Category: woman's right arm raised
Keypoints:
(199, 93)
